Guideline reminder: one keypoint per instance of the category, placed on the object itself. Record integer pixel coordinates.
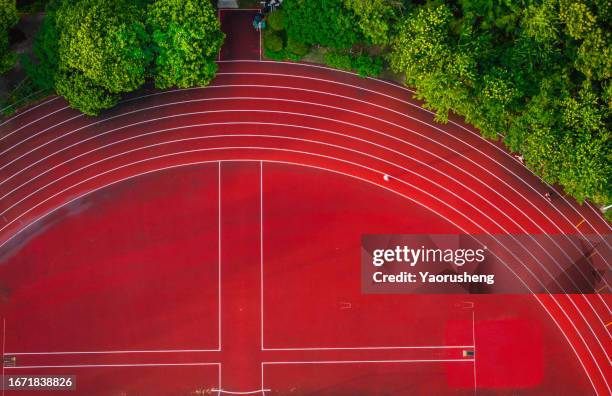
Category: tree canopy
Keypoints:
(321, 22)
(186, 38)
(534, 73)
(93, 51)
(8, 19)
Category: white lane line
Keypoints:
(375, 348)
(112, 352)
(417, 202)
(25, 112)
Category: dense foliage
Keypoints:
(92, 51)
(187, 38)
(8, 18)
(535, 73)
(277, 43)
(321, 22)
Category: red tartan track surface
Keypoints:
(206, 241)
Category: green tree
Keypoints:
(321, 22)
(104, 40)
(8, 19)
(187, 38)
(375, 17)
(83, 94)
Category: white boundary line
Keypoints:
(219, 208)
(387, 189)
(261, 257)
(474, 343)
(44, 102)
(377, 348)
(262, 391)
(3, 350)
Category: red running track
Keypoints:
(155, 186)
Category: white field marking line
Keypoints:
(406, 89)
(458, 212)
(242, 393)
(370, 361)
(112, 352)
(262, 379)
(475, 354)
(219, 379)
(116, 365)
(376, 348)
(399, 153)
(261, 276)
(415, 201)
(427, 111)
(25, 112)
(410, 130)
(588, 324)
(219, 253)
(3, 349)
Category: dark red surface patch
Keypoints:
(131, 267)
